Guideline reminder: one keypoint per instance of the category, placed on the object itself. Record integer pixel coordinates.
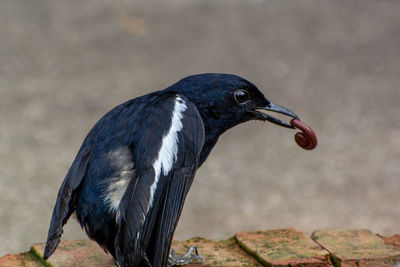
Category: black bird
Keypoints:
(134, 169)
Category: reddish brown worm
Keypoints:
(306, 138)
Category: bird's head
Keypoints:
(225, 100)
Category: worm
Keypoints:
(306, 138)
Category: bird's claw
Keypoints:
(190, 256)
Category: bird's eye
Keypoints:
(241, 96)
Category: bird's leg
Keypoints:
(146, 260)
(190, 256)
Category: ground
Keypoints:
(335, 63)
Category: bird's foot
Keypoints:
(190, 256)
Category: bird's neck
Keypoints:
(215, 124)
(207, 147)
(212, 133)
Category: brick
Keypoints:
(88, 253)
(76, 253)
(26, 259)
(283, 247)
(221, 253)
(392, 241)
(356, 248)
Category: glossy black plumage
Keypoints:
(134, 169)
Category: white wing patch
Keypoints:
(169, 147)
(116, 190)
(117, 184)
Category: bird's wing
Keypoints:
(64, 206)
(151, 206)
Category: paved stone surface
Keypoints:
(221, 253)
(283, 247)
(76, 253)
(356, 248)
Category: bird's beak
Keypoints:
(275, 108)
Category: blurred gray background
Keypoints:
(63, 64)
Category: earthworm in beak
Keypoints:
(306, 138)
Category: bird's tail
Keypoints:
(65, 204)
(51, 244)
(58, 220)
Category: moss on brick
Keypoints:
(39, 257)
(356, 247)
(26, 259)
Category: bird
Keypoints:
(129, 180)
